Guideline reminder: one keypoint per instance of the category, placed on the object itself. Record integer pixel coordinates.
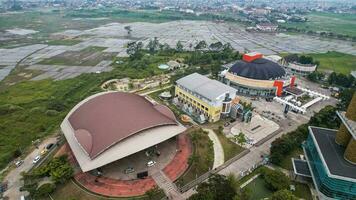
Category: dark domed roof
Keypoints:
(261, 69)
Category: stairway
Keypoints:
(167, 185)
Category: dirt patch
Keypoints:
(90, 56)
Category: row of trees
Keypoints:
(284, 145)
(303, 59)
(347, 81)
(58, 170)
(219, 187)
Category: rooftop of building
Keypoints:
(260, 69)
(109, 118)
(205, 87)
(301, 167)
(332, 154)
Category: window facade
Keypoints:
(330, 187)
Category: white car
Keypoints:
(36, 159)
(18, 163)
(151, 163)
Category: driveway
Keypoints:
(14, 176)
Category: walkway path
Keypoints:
(218, 149)
(167, 185)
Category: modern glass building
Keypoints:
(333, 176)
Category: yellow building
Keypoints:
(204, 98)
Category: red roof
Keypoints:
(107, 119)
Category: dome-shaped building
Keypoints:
(257, 76)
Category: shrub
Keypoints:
(274, 179)
(45, 189)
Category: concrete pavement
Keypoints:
(14, 176)
(218, 149)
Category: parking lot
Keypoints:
(128, 167)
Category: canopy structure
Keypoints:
(112, 125)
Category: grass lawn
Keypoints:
(258, 188)
(287, 160)
(70, 191)
(338, 62)
(231, 149)
(328, 22)
(259, 191)
(204, 156)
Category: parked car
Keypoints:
(151, 163)
(49, 146)
(44, 151)
(129, 170)
(18, 163)
(36, 159)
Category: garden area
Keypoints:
(202, 158)
(262, 183)
(269, 181)
(231, 149)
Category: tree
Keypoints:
(243, 194)
(216, 188)
(179, 46)
(128, 29)
(216, 46)
(134, 50)
(201, 45)
(316, 76)
(240, 139)
(305, 59)
(215, 69)
(153, 45)
(275, 180)
(283, 195)
(44, 190)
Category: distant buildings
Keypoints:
(204, 98)
(267, 27)
(331, 158)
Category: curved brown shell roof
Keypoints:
(105, 120)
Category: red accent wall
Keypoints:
(279, 86)
(250, 58)
(292, 81)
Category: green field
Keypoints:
(329, 22)
(335, 61)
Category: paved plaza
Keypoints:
(256, 130)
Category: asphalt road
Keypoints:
(14, 176)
